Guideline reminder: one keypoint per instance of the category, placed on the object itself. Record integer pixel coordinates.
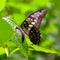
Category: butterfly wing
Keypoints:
(31, 26)
(34, 35)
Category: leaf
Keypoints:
(41, 49)
(2, 4)
(6, 31)
(33, 47)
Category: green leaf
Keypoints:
(6, 31)
(41, 49)
(2, 4)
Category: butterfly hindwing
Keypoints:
(34, 35)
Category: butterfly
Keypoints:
(31, 26)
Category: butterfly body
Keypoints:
(32, 24)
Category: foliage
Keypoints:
(12, 14)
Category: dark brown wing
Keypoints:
(34, 35)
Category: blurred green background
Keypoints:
(19, 10)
